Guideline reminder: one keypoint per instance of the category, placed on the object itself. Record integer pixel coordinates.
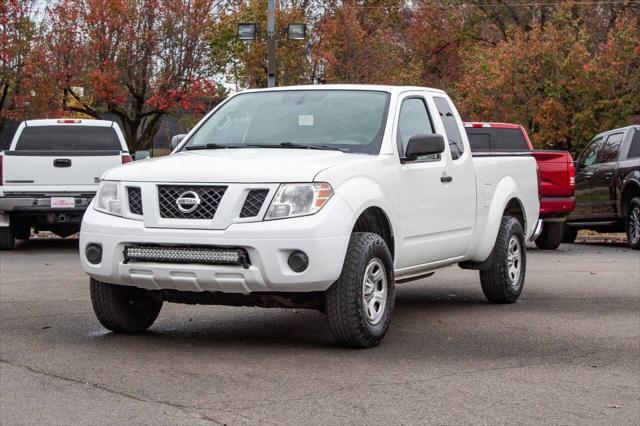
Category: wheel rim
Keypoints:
(374, 290)
(634, 224)
(514, 260)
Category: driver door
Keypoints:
(584, 176)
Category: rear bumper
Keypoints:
(556, 207)
(41, 204)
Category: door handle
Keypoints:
(608, 175)
(446, 179)
(61, 162)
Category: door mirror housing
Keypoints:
(421, 145)
(175, 141)
(141, 155)
(576, 165)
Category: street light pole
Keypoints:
(271, 43)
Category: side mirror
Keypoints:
(175, 141)
(576, 165)
(421, 145)
(141, 155)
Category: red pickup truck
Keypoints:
(556, 169)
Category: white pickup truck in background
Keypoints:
(320, 197)
(51, 173)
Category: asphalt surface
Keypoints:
(568, 352)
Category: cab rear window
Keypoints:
(68, 138)
(495, 139)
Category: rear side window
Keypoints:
(610, 149)
(451, 127)
(68, 138)
(634, 149)
(496, 139)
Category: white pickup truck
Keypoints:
(51, 173)
(319, 197)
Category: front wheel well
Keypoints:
(374, 220)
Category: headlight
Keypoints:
(298, 199)
(108, 198)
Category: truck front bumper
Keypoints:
(323, 237)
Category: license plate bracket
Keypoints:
(63, 202)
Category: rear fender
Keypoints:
(506, 190)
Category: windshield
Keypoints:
(345, 120)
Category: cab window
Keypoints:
(610, 149)
(451, 127)
(589, 156)
(414, 120)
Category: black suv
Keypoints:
(608, 186)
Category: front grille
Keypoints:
(253, 202)
(209, 198)
(135, 200)
(207, 255)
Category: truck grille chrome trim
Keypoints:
(135, 200)
(193, 255)
(253, 203)
(189, 201)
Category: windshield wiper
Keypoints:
(292, 145)
(206, 146)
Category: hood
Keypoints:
(244, 165)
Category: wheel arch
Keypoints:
(375, 220)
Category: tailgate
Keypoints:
(555, 175)
(37, 171)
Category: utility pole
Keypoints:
(271, 43)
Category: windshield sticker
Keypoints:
(305, 120)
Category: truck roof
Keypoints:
(378, 87)
(68, 122)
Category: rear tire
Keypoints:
(504, 280)
(551, 236)
(124, 309)
(7, 237)
(632, 223)
(359, 305)
(569, 234)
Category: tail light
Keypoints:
(126, 158)
(572, 177)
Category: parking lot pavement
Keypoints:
(568, 352)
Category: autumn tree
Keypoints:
(135, 59)
(17, 31)
(540, 77)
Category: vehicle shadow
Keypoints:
(49, 243)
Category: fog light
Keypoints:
(94, 253)
(298, 261)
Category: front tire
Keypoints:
(551, 236)
(124, 309)
(359, 305)
(504, 280)
(7, 237)
(632, 222)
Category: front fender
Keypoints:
(362, 193)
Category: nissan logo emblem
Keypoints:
(188, 202)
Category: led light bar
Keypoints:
(201, 255)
